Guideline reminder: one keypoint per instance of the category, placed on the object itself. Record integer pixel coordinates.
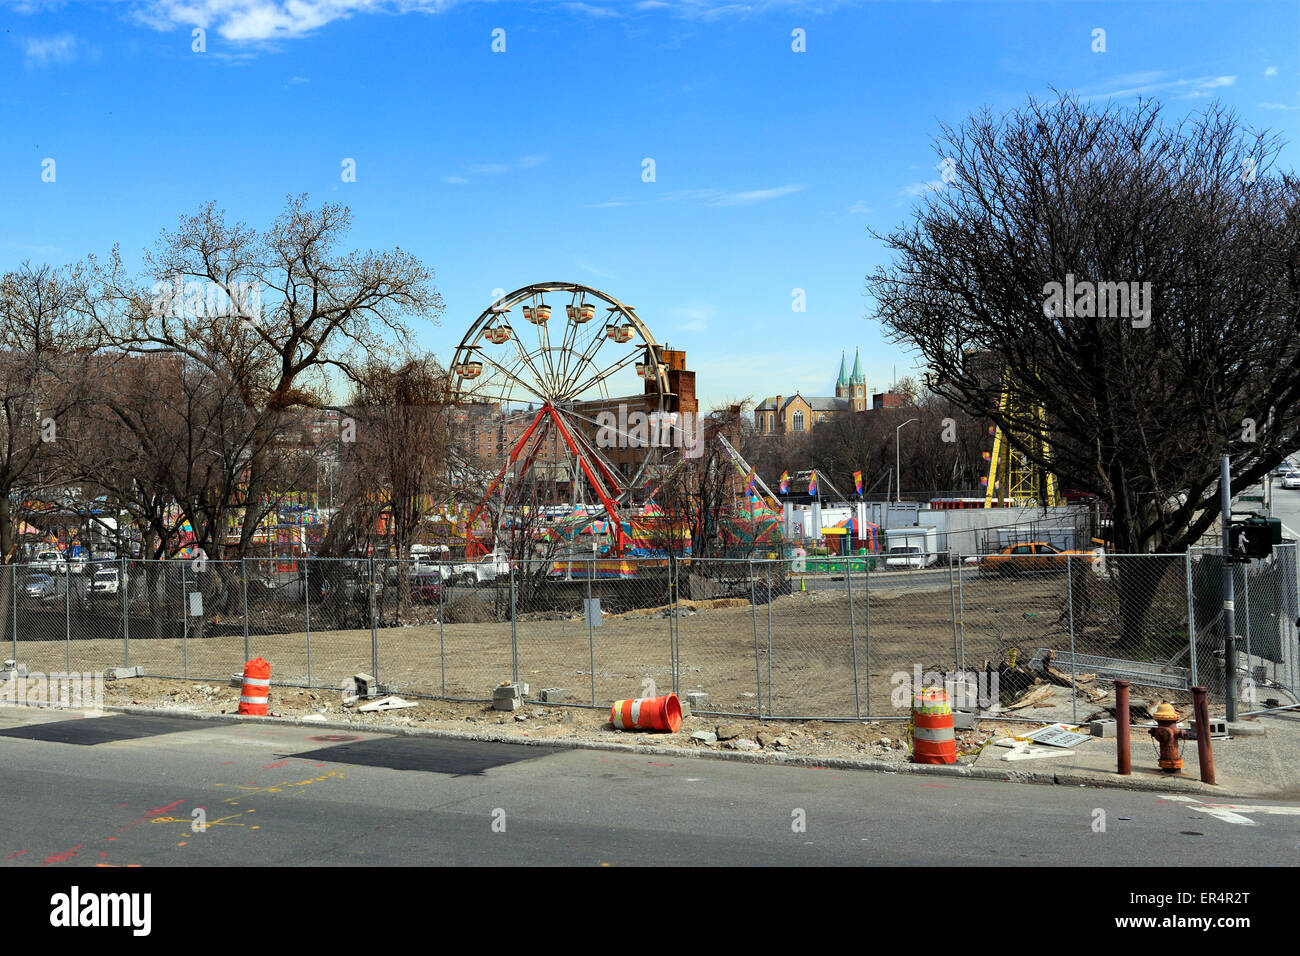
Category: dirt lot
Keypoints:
(878, 740)
(796, 656)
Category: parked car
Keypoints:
(41, 587)
(1028, 558)
(105, 581)
(426, 589)
(1284, 469)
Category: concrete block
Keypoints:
(507, 703)
(121, 673)
(697, 700)
(1218, 729)
(506, 690)
(962, 720)
(1105, 728)
(523, 689)
(551, 694)
(1240, 728)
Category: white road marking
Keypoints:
(1232, 812)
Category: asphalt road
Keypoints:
(124, 790)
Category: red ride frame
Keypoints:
(549, 409)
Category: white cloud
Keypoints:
(591, 10)
(43, 51)
(749, 197)
(588, 266)
(1271, 71)
(299, 80)
(496, 169)
(1141, 84)
(1277, 106)
(248, 21)
(920, 189)
(694, 317)
(859, 208)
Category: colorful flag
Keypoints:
(857, 481)
(812, 483)
(750, 479)
(785, 482)
(987, 456)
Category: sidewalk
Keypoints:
(1258, 765)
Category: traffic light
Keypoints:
(1255, 537)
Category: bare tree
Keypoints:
(1135, 280)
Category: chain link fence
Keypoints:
(761, 637)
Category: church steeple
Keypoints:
(858, 377)
(843, 381)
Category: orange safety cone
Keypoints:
(256, 692)
(933, 740)
(647, 713)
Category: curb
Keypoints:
(965, 771)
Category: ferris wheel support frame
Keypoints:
(549, 410)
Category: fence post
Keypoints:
(442, 616)
(1069, 596)
(67, 613)
(185, 626)
(952, 602)
(758, 674)
(243, 583)
(853, 638)
(13, 586)
(1191, 618)
(866, 582)
(126, 617)
(1250, 668)
(769, 642)
(374, 633)
(514, 635)
(591, 638)
(306, 596)
(961, 614)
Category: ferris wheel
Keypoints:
(546, 374)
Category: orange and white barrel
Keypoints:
(933, 740)
(647, 713)
(256, 690)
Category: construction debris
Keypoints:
(507, 696)
(1036, 695)
(1057, 735)
(391, 702)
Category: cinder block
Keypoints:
(552, 694)
(962, 720)
(121, 673)
(506, 690)
(697, 699)
(1104, 728)
(507, 703)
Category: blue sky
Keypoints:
(503, 169)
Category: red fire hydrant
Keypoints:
(1168, 736)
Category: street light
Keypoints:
(898, 472)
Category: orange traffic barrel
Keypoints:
(255, 693)
(647, 713)
(933, 740)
